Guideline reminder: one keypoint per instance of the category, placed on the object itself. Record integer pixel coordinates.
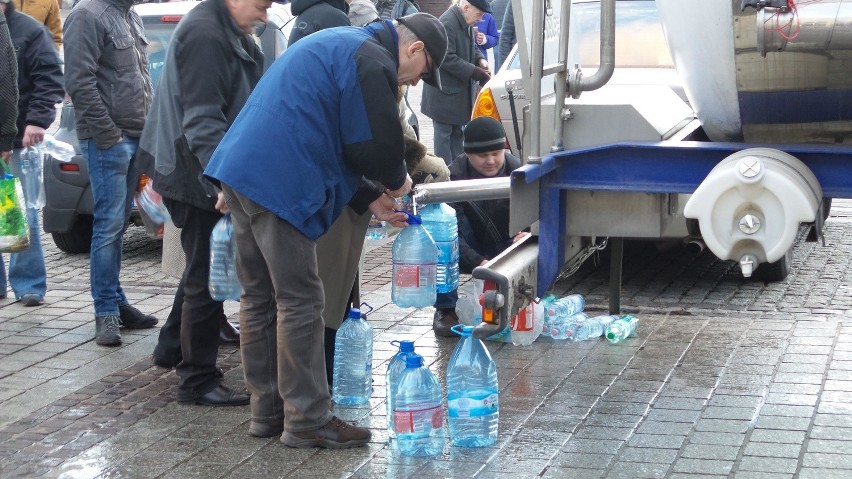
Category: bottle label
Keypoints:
(418, 421)
(523, 321)
(413, 275)
(472, 404)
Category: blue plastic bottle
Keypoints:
(32, 177)
(622, 328)
(593, 328)
(472, 392)
(395, 368)
(223, 262)
(418, 415)
(439, 219)
(376, 229)
(57, 149)
(415, 258)
(353, 361)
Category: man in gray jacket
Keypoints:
(106, 75)
(450, 107)
(8, 93)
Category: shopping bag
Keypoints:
(14, 234)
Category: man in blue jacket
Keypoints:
(323, 118)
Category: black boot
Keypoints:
(330, 335)
(228, 333)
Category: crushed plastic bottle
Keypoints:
(32, 177)
(622, 328)
(353, 361)
(415, 259)
(439, 219)
(151, 203)
(377, 229)
(223, 280)
(593, 328)
(472, 392)
(395, 368)
(418, 415)
(57, 149)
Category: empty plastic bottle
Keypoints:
(622, 328)
(223, 262)
(593, 328)
(377, 229)
(353, 361)
(152, 203)
(472, 393)
(439, 219)
(567, 328)
(57, 149)
(548, 320)
(32, 177)
(566, 307)
(418, 415)
(395, 369)
(415, 257)
(526, 325)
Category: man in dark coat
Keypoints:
(8, 91)
(191, 112)
(40, 89)
(315, 15)
(450, 107)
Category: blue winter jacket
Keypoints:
(322, 117)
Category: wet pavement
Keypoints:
(726, 377)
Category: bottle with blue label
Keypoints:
(472, 392)
(418, 413)
(415, 259)
(593, 328)
(565, 307)
(353, 361)
(439, 219)
(376, 229)
(32, 177)
(622, 328)
(395, 368)
(223, 281)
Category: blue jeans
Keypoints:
(113, 181)
(26, 269)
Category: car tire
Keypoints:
(776, 271)
(78, 239)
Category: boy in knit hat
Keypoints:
(483, 225)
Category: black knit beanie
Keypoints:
(484, 134)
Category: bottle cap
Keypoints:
(462, 330)
(413, 360)
(355, 313)
(411, 219)
(404, 346)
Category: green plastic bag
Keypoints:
(14, 233)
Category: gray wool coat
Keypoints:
(454, 104)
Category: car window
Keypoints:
(159, 36)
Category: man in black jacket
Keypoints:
(192, 110)
(40, 89)
(8, 91)
(483, 225)
(316, 15)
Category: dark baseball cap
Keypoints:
(433, 34)
(483, 5)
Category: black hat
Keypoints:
(433, 34)
(483, 5)
(484, 134)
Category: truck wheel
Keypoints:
(777, 271)
(78, 239)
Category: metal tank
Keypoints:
(758, 73)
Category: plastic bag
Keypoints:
(14, 233)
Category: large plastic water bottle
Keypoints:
(472, 398)
(593, 328)
(526, 325)
(223, 262)
(376, 229)
(32, 177)
(621, 328)
(415, 257)
(418, 415)
(567, 328)
(57, 149)
(439, 219)
(395, 369)
(353, 361)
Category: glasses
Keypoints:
(427, 75)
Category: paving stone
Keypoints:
(647, 455)
(768, 464)
(656, 441)
(707, 451)
(768, 449)
(702, 466)
(718, 438)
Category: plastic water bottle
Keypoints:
(415, 257)
(593, 328)
(152, 203)
(548, 320)
(395, 369)
(567, 328)
(566, 307)
(622, 328)
(418, 415)
(57, 149)
(439, 219)
(472, 398)
(223, 262)
(32, 177)
(526, 325)
(353, 361)
(377, 229)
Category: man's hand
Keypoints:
(6, 155)
(33, 135)
(383, 208)
(480, 38)
(221, 206)
(481, 75)
(402, 190)
(520, 235)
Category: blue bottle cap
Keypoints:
(413, 360)
(404, 346)
(463, 330)
(355, 313)
(411, 219)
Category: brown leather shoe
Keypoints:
(444, 320)
(336, 434)
(228, 333)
